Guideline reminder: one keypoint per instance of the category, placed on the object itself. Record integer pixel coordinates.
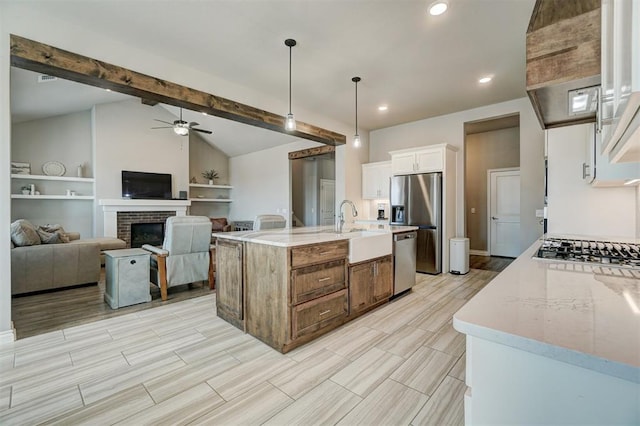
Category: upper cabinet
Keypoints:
(419, 160)
(620, 100)
(375, 180)
(563, 54)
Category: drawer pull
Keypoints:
(324, 279)
(324, 253)
(325, 312)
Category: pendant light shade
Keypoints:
(290, 121)
(356, 137)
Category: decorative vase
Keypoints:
(210, 181)
(26, 192)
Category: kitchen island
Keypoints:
(289, 286)
(553, 342)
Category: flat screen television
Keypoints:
(142, 185)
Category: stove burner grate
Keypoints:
(591, 251)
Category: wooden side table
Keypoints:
(127, 277)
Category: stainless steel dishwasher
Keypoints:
(404, 261)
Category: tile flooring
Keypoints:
(180, 364)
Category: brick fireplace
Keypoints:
(119, 214)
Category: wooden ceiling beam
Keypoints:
(42, 58)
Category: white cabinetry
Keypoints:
(620, 107)
(375, 180)
(597, 170)
(422, 160)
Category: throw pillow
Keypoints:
(55, 237)
(23, 233)
(51, 229)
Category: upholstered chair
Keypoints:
(220, 224)
(268, 221)
(185, 256)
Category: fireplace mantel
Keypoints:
(111, 207)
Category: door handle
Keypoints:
(585, 167)
(494, 218)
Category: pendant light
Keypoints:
(356, 137)
(290, 122)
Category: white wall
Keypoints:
(124, 140)
(203, 156)
(450, 129)
(576, 207)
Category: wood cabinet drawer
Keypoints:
(307, 255)
(311, 316)
(314, 281)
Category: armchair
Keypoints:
(185, 256)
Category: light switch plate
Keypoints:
(539, 213)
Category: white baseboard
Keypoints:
(8, 336)
(479, 252)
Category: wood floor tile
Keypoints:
(400, 315)
(445, 407)
(25, 372)
(167, 385)
(165, 346)
(424, 370)
(459, 369)
(249, 349)
(307, 374)
(448, 340)
(5, 397)
(405, 341)
(251, 408)
(109, 410)
(54, 380)
(363, 375)
(391, 403)
(39, 410)
(212, 346)
(181, 409)
(38, 356)
(6, 362)
(124, 378)
(248, 375)
(108, 349)
(361, 340)
(324, 405)
(34, 343)
(434, 318)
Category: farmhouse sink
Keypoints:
(365, 245)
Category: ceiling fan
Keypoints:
(181, 127)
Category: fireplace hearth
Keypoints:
(147, 233)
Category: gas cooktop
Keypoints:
(607, 253)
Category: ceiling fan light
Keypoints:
(290, 123)
(180, 130)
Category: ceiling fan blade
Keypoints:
(202, 131)
(193, 123)
(163, 127)
(162, 121)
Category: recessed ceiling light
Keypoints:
(438, 7)
(484, 80)
(383, 108)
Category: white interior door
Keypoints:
(504, 212)
(327, 201)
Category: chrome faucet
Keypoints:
(354, 212)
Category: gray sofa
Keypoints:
(50, 266)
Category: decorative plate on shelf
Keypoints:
(53, 168)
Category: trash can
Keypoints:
(459, 256)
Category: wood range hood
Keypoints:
(563, 54)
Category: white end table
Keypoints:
(127, 277)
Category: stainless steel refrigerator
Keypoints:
(417, 200)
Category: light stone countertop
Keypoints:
(289, 237)
(583, 315)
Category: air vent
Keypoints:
(43, 78)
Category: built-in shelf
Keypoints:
(52, 197)
(204, 185)
(58, 178)
(212, 200)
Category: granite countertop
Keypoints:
(583, 315)
(289, 237)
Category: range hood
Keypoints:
(563, 55)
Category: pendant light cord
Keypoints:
(356, 108)
(290, 79)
